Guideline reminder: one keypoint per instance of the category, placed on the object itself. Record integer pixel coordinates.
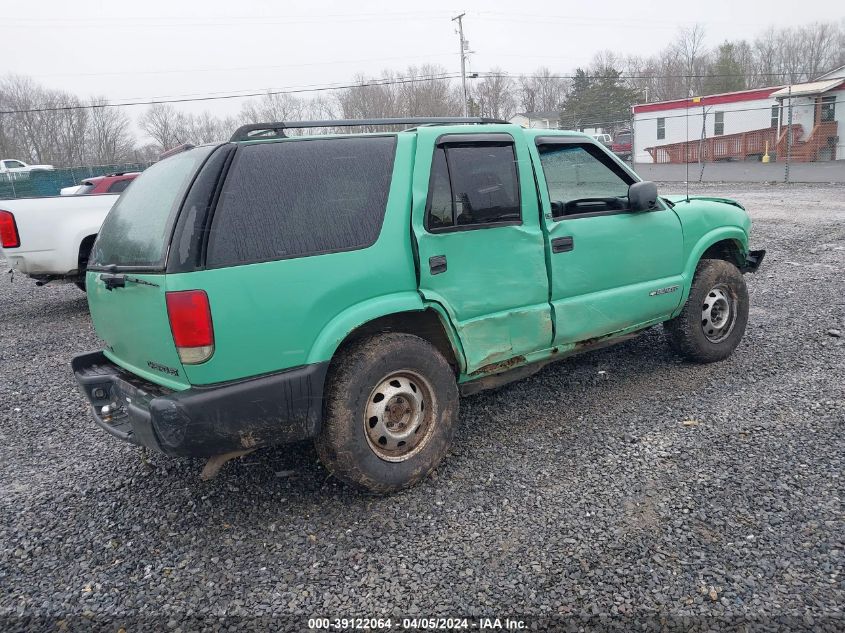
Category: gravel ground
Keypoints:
(623, 484)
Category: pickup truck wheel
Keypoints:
(390, 413)
(713, 320)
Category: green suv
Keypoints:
(349, 287)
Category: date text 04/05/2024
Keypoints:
(445, 624)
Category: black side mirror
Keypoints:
(642, 196)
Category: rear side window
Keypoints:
(137, 229)
(473, 185)
(298, 198)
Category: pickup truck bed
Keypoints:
(55, 234)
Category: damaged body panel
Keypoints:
(494, 283)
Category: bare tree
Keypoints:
(818, 47)
(693, 56)
(369, 99)
(207, 128)
(425, 94)
(69, 124)
(165, 125)
(110, 137)
(767, 56)
(272, 107)
(541, 91)
(495, 95)
(26, 131)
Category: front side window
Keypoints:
(13, 164)
(473, 185)
(719, 124)
(581, 178)
(301, 197)
(661, 128)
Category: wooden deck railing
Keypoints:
(821, 143)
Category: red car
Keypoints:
(622, 145)
(110, 183)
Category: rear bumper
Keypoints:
(40, 263)
(753, 261)
(203, 421)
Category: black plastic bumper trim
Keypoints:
(753, 261)
(204, 421)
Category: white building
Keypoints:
(542, 120)
(746, 124)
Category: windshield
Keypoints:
(137, 228)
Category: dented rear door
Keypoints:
(481, 249)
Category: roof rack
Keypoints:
(184, 147)
(276, 130)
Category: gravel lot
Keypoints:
(622, 484)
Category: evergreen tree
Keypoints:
(726, 73)
(601, 99)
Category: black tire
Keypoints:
(347, 445)
(692, 333)
(80, 285)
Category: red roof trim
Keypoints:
(728, 97)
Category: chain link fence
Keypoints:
(22, 184)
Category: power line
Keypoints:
(240, 68)
(92, 106)
(371, 83)
(694, 76)
(223, 20)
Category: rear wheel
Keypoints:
(711, 325)
(390, 414)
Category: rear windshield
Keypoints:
(299, 198)
(136, 230)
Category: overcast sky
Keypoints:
(156, 48)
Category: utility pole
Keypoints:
(464, 47)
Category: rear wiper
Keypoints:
(112, 281)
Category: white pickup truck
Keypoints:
(12, 167)
(49, 239)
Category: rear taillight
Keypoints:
(9, 237)
(190, 322)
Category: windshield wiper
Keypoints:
(112, 281)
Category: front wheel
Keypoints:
(713, 320)
(390, 414)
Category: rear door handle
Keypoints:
(563, 244)
(437, 264)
